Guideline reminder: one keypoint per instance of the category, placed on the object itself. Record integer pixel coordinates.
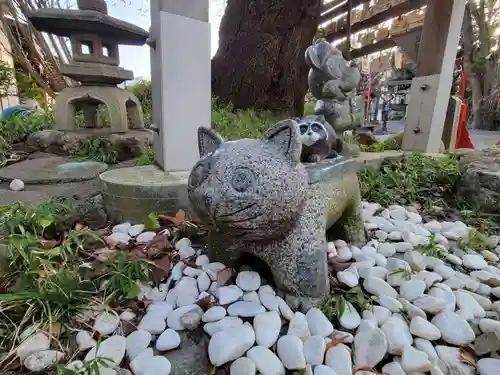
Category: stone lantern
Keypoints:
(95, 37)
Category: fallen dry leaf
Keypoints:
(224, 276)
(179, 217)
(336, 341)
(49, 244)
(105, 253)
(80, 227)
(161, 269)
(467, 356)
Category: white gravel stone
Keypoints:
(230, 344)
(145, 237)
(290, 350)
(42, 360)
(314, 350)
(488, 366)
(203, 282)
(424, 329)
(267, 326)
(245, 309)
(430, 304)
(34, 343)
(466, 301)
(323, 370)
(266, 361)
(229, 294)
(137, 342)
(135, 230)
(113, 348)
(318, 323)
(202, 260)
(248, 281)
(398, 334)
(251, 297)
(299, 327)
(84, 340)
(381, 314)
(174, 318)
(187, 291)
(412, 289)
(427, 347)
(186, 252)
(284, 309)
(221, 325)
(243, 366)
(379, 287)
(347, 278)
(339, 359)
(153, 323)
(387, 249)
(370, 347)
(454, 329)
(474, 261)
(213, 314)
(350, 319)
(269, 301)
(162, 309)
(413, 360)
(390, 303)
(168, 340)
(344, 253)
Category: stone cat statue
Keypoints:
(318, 138)
(255, 197)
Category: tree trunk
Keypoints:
(260, 62)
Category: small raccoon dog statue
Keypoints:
(318, 138)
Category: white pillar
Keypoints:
(181, 79)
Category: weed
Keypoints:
(43, 219)
(99, 149)
(432, 249)
(335, 304)
(121, 280)
(147, 158)
(405, 272)
(91, 367)
(476, 241)
(16, 129)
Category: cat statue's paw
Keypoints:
(313, 158)
(301, 303)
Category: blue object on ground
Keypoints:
(15, 110)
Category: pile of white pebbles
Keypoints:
(425, 309)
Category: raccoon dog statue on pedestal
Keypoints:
(318, 138)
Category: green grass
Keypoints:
(17, 129)
(42, 280)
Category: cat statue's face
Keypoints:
(250, 188)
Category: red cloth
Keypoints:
(463, 136)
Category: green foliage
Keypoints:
(335, 304)
(476, 241)
(99, 149)
(147, 158)
(432, 249)
(15, 129)
(143, 92)
(416, 178)
(391, 143)
(234, 124)
(19, 218)
(121, 279)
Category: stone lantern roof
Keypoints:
(66, 22)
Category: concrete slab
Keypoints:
(52, 170)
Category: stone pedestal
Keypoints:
(180, 67)
(130, 194)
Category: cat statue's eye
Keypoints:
(303, 128)
(242, 180)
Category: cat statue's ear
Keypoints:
(320, 118)
(285, 136)
(208, 141)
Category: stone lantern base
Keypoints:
(128, 145)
